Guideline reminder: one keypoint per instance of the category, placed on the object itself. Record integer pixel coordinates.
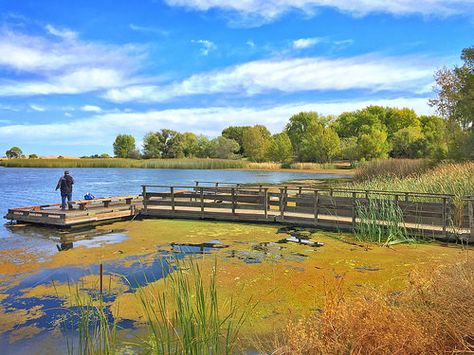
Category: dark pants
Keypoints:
(65, 196)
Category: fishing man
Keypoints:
(65, 185)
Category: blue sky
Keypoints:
(74, 74)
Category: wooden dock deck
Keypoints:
(429, 215)
(85, 212)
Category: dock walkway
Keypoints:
(429, 215)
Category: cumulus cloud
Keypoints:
(91, 108)
(63, 64)
(370, 72)
(306, 42)
(37, 108)
(209, 121)
(269, 10)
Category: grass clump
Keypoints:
(432, 316)
(188, 317)
(391, 168)
(381, 221)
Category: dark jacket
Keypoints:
(65, 184)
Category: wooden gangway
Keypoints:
(340, 209)
(422, 214)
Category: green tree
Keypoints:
(163, 144)
(237, 134)
(455, 91)
(280, 148)
(224, 148)
(190, 144)
(319, 143)
(14, 153)
(153, 145)
(297, 126)
(373, 144)
(124, 145)
(33, 156)
(204, 147)
(406, 142)
(256, 141)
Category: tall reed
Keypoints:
(391, 168)
(188, 317)
(381, 221)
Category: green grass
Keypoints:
(126, 163)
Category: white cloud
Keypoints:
(91, 108)
(63, 65)
(209, 121)
(369, 72)
(37, 108)
(268, 10)
(306, 42)
(206, 45)
(62, 33)
(251, 44)
(147, 29)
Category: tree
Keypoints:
(33, 156)
(224, 148)
(190, 144)
(237, 134)
(455, 91)
(163, 144)
(204, 147)
(14, 153)
(297, 126)
(406, 143)
(124, 145)
(319, 143)
(280, 148)
(256, 141)
(373, 144)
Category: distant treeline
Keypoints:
(366, 134)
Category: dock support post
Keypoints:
(300, 188)
(201, 193)
(265, 202)
(233, 200)
(316, 207)
(172, 199)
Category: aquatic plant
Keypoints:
(380, 221)
(391, 168)
(187, 317)
(432, 316)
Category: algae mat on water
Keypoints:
(282, 279)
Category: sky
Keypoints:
(74, 74)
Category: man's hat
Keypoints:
(66, 172)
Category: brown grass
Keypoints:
(391, 168)
(435, 315)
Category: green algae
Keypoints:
(282, 279)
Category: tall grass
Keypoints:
(94, 331)
(315, 166)
(456, 179)
(391, 168)
(434, 315)
(381, 221)
(126, 163)
(188, 317)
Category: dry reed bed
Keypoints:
(434, 315)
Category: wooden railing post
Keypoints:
(354, 201)
(145, 198)
(406, 196)
(201, 192)
(316, 207)
(233, 200)
(300, 188)
(172, 199)
(265, 202)
(260, 188)
(470, 210)
(445, 216)
(282, 203)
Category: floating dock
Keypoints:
(420, 214)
